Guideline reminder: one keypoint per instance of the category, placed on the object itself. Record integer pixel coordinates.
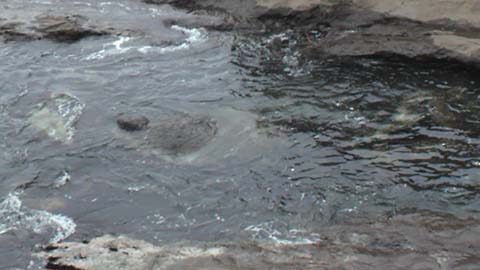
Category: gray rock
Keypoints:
(181, 133)
(132, 122)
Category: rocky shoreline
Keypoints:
(449, 31)
(407, 240)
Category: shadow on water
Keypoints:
(303, 142)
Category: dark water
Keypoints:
(304, 142)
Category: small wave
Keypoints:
(62, 179)
(102, 4)
(43, 2)
(271, 231)
(16, 217)
(117, 47)
(110, 49)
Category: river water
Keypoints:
(304, 142)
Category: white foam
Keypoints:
(155, 12)
(43, 2)
(70, 108)
(82, 3)
(112, 48)
(62, 179)
(268, 231)
(194, 36)
(281, 36)
(14, 216)
(115, 4)
(58, 116)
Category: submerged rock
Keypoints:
(132, 122)
(171, 134)
(440, 108)
(181, 133)
(58, 116)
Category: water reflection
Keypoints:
(369, 133)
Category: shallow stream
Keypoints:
(303, 142)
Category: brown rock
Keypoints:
(65, 28)
(56, 28)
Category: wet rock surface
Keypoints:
(367, 27)
(130, 122)
(66, 28)
(71, 22)
(408, 239)
(57, 28)
(181, 133)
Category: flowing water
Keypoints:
(303, 142)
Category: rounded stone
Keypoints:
(181, 133)
(132, 122)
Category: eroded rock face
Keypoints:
(407, 240)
